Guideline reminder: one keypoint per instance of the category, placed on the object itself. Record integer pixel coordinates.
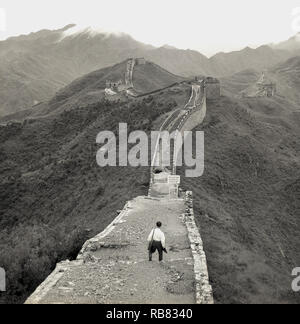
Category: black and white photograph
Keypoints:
(149, 155)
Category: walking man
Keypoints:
(157, 241)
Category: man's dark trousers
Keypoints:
(156, 246)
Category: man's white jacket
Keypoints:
(158, 236)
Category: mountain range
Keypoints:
(54, 196)
(34, 67)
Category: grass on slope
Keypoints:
(53, 194)
(247, 203)
(151, 77)
(287, 76)
(238, 82)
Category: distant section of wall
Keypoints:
(129, 73)
(191, 119)
(266, 90)
(266, 87)
(195, 118)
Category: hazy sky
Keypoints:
(208, 26)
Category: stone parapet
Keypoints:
(204, 294)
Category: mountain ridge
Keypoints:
(54, 196)
(33, 67)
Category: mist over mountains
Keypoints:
(292, 44)
(34, 67)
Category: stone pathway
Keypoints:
(115, 269)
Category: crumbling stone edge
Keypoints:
(96, 242)
(48, 284)
(204, 293)
(62, 267)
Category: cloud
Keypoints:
(88, 30)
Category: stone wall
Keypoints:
(204, 294)
(129, 73)
(83, 256)
(195, 118)
(189, 121)
(266, 90)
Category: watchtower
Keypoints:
(140, 61)
(266, 88)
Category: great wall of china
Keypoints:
(113, 267)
